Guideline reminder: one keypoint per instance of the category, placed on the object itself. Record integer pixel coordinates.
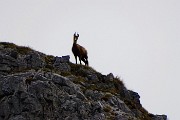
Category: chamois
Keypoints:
(79, 51)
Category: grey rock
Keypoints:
(63, 67)
(121, 105)
(22, 62)
(109, 77)
(124, 116)
(8, 60)
(63, 81)
(92, 77)
(61, 63)
(97, 107)
(11, 84)
(7, 64)
(159, 117)
(81, 96)
(62, 59)
(98, 116)
(4, 68)
(94, 95)
(136, 98)
(34, 60)
(13, 54)
(18, 117)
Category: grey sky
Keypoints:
(137, 40)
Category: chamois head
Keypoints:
(75, 38)
(79, 51)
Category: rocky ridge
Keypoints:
(35, 86)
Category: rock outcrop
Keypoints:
(35, 86)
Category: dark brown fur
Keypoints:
(79, 51)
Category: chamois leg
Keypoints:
(85, 61)
(76, 59)
(80, 60)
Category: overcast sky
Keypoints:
(137, 40)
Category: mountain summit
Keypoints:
(35, 86)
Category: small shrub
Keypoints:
(130, 104)
(80, 79)
(64, 73)
(23, 49)
(80, 70)
(92, 87)
(49, 59)
(118, 81)
(8, 45)
(133, 106)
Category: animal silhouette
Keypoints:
(79, 51)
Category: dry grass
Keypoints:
(107, 96)
(20, 49)
(107, 108)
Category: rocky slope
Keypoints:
(35, 86)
